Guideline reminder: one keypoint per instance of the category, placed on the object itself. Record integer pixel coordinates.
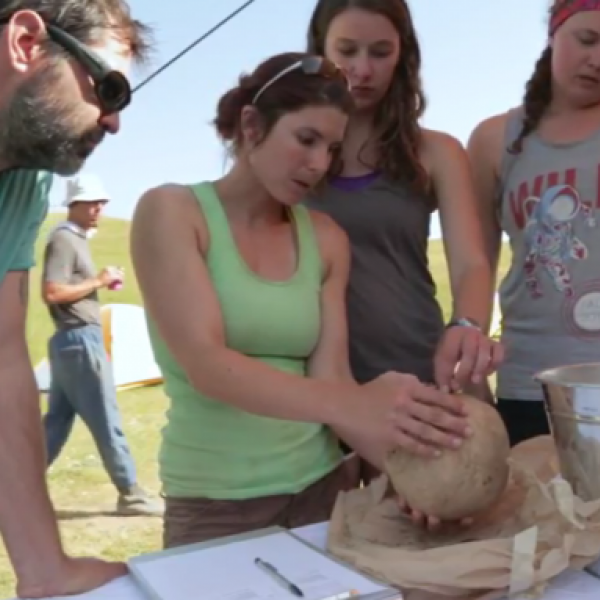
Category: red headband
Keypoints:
(565, 9)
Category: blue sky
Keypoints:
(477, 55)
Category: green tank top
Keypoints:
(213, 450)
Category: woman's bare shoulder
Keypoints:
(169, 209)
(333, 242)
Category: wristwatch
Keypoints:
(463, 322)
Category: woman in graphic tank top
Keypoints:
(394, 175)
(537, 171)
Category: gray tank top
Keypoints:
(550, 299)
(394, 319)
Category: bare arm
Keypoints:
(330, 361)
(484, 150)
(167, 245)
(470, 275)
(27, 518)
(63, 293)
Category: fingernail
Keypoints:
(468, 432)
(437, 454)
(457, 443)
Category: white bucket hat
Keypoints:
(86, 187)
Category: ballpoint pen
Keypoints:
(273, 572)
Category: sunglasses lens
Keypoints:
(324, 67)
(313, 65)
(114, 92)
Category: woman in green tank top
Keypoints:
(244, 290)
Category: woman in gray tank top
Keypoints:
(394, 175)
(537, 171)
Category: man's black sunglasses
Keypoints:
(112, 87)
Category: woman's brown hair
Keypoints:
(292, 92)
(399, 145)
(538, 91)
(537, 98)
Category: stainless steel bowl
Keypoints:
(572, 400)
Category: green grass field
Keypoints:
(79, 486)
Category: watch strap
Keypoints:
(463, 322)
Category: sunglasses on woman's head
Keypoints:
(112, 87)
(310, 65)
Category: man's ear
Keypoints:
(25, 35)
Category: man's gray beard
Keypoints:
(35, 130)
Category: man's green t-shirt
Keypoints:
(23, 207)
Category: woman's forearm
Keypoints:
(336, 368)
(372, 453)
(256, 387)
(473, 295)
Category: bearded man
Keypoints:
(63, 66)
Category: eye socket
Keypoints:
(307, 140)
(587, 37)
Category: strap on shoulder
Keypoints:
(514, 122)
(308, 240)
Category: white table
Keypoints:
(571, 585)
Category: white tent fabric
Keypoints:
(127, 345)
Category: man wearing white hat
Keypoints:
(81, 375)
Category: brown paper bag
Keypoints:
(537, 530)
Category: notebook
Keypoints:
(225, 569)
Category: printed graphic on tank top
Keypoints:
(550, 297)
(550, 240)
